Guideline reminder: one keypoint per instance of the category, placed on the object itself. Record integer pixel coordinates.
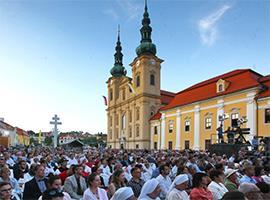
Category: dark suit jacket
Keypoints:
(31, 190)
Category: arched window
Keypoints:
(111, 94)
(152, 79)
(130, 116)
(187, 125)
(208, 122)
(220, 87)
(138, 81)
(170, 126)
(234, 119)
(117, 119)
(110, 120)
(123, 121)
(137, 131)
(138, 114)
(130, 131)
(124, 94)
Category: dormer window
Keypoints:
(222, 85)
(220, 88)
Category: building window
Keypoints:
(186, 144)
(137, 131)
(207, 144)
(155, 145)
(130, 131)
(170, 145)
(138, 81)
(220, 88)
(234, 119)
(137, 146)
(110, 133)
(111, 95)
(208, 123)
(123, 94)
(117, 133)
(130, 116)
(123, 122)
(117, 119)
(137, 114)
(187, 125)
(110, 120)
(155, 130)
(152, 79)
(170, 126)
(267, 115)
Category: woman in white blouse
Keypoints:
(216, 186)
(94, 192)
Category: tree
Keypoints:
(48, 141)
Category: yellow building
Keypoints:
(190, 120)
(141, 115)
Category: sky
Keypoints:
(55, 55)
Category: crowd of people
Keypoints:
(41, 173)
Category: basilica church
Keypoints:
(142, 116)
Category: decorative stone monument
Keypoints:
(55, 122)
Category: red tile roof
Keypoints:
(239, 80)
(156, 116)
(166, 96)
(266, 82)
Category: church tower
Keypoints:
(132, 101)
(146, 82)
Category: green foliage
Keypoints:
(48, 141)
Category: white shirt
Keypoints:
(73, 161)
(165, 184)
(88, 195)
(176, 194)
(106, 170)
(10, 162)
(217, 189)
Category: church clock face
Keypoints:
(138, 63)
(152, 62)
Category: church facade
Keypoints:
(142, 116)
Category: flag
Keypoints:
(39, 137)
(105, 101)
(131, 89)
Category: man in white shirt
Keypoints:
(164, 180)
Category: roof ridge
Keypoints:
(211, 80)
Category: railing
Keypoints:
(215, 139)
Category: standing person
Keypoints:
(75, 185)
(136, 183)
(94, 192)
(178, 187)
(220, 133)
(150, 190)
(200, 191)
(164, 180)
(117, 181)
(231, 180)
(36, 186)
(217, 187)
